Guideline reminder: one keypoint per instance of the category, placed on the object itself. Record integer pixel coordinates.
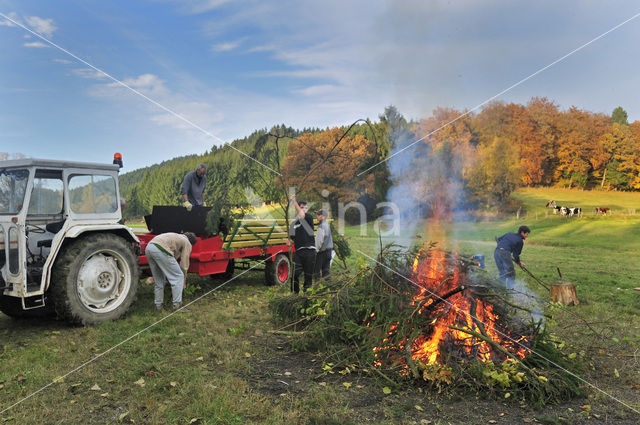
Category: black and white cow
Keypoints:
(565, 211)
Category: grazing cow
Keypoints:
(602, 210)
(556, 209)
(575, 211)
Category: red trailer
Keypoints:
(248, 240)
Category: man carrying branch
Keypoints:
(301, 234)
(510, 244)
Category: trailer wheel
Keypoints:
(228, 273)
(95, 279)
(278, 271)
(12, 307)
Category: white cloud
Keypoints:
(89, 73)
(62, 61)
(37, 45)
(7, 23)
(198, 112)
(194, 7)
(320, 89)
(42, 26)
(227, 46)
(262, 48)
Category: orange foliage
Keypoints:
(314, 163)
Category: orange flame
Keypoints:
(461, 321)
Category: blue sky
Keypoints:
(235, 66)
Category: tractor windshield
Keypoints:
(13, 185)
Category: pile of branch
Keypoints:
(370, 317)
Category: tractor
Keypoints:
(63, 248)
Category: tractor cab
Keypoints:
(47, 209)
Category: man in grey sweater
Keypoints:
(324, 246)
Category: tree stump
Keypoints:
(564, 292)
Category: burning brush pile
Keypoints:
(434, 317)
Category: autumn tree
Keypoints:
(328, 163)
(496, 174)
(621, 157)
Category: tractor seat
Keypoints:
(44, 243)
(54, 227)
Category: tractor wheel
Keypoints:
(278, 271)
(12, 307)
(95, 279)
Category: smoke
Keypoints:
(522, 296)
(426, 180)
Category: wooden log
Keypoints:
(564, 292)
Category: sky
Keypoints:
(231, 67)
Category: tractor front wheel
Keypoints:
(95, 279)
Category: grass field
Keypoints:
(221, 362)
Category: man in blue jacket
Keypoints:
(510, 244)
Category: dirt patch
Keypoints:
(279, 372)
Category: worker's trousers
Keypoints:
(165, 269)
(303, 262)
(505, 267)
(323, 264)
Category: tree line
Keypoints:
(487, 154)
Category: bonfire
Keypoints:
(465, 316)
(435, 317)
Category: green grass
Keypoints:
(535, 200)
(201, 368)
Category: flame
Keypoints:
(462, 322)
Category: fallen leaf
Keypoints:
(419, 408)
(287, 374)
(586, 408)
(55, 332)
(96, 387)
(151, 373)
(347, 384)
(140, 382)
(493, 421)
(123, 415)
(173, 383)
(104, 395)
(615, 372)
(72, 402)
(20, 378)
(247, 354)
(359, 387)
(323, 384)
(1, 386)
(200, 359)
(424, 422)
(195, 421)
(386, 390)
(58, 379)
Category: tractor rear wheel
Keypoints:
(278, 271)
(95, 279)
